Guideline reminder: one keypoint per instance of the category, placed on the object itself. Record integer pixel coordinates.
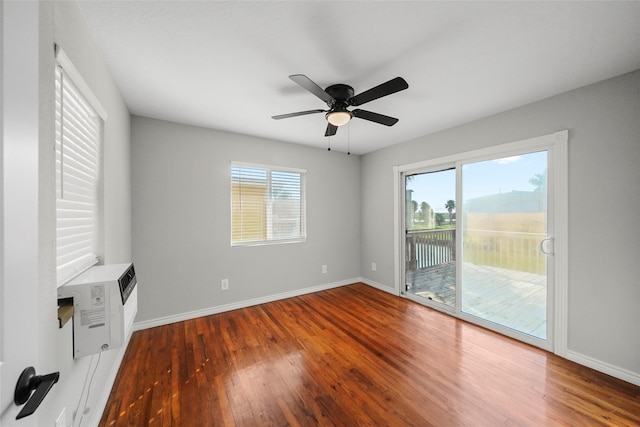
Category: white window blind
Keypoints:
(78, 135)
(267, 204)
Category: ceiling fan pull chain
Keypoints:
(349, 139)
(329, 139)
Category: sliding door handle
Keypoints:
(544, 248)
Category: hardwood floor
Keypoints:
(353, 356)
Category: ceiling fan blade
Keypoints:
(309, 85)
(384, 89)
(374, 117)
(299, 113)
(331, 130)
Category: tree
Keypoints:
(539, 181)
(450, 206)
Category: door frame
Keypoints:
(556, 144)
(19, 204)
(430, 168)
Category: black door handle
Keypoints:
(27, 383)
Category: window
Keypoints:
(78, 135)
(267, 204)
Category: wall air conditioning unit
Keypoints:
(105, 303)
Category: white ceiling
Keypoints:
(225, 65)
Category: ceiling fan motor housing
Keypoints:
(341, 94)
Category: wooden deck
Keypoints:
(511, 298)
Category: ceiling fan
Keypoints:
(340, 96)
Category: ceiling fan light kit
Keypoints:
(339, 118)
(339, 97)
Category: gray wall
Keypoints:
(61, 23)
(604, 200)
(70, 32)
(180, 179)
(181, 220)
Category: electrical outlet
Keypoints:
(374, 267)
(62, 418)
(224, 284)
(324, 269)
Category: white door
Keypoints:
(18, 202)
(505, 266)
(507, 270)
(498, 276)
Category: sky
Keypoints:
(479, 179)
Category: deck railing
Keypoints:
(508, 250)
(428, 248)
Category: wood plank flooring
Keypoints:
(353, 356)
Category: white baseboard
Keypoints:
(614, 371)
(237, 305)
(377, 285)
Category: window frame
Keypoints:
(71, 75)
(269, 169)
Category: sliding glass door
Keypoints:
(504, 238)
(430, 236)
(477, 236)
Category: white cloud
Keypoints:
(507, 160)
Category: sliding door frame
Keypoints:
(402, 280)
(556, 146)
